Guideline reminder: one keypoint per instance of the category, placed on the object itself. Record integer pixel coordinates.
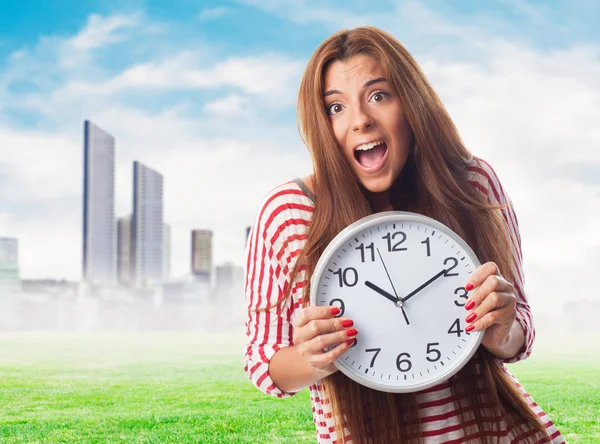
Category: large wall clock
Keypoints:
(400, 277)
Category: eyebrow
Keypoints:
(366, 85)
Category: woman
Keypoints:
(380, 139)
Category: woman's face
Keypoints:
(367, 120)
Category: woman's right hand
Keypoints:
(317, 328)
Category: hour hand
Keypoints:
(382, 292)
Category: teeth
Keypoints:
(368, 146)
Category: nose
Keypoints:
(361, 120)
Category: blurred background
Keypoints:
(137, 139)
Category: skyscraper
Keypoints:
(147, 226)
(167, 253)
(99, 258)
(202, 254)
(9, 266)
(124, 250)
(229, 276)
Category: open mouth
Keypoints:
(371, 154)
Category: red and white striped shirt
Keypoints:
(278, 236)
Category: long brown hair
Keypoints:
(433, 182)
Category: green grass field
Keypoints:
(180, 388)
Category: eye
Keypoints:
(334, 107)
(380, 96)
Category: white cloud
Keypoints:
(264, 74)
(270, 79)
(229, 106)
(40, 165)
(101, 31)
(212, 13)
(535, 14)
(328, 14)
(98, 33)
(530, 114)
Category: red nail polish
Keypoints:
(470, 328)
(470, 305)
(350, 342)
(352, 332)
(469, 286)
(347, 323)
(471, 317)
(335, 311)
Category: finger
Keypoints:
(492, 283)
(481, 274)
(309, 314)
(323, 341)
(318, 327)
(326, 358)
(496, 308)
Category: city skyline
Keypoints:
(207, 96)
(99, 195)
(132, 250)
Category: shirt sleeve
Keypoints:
(497, 196)
(268, 325)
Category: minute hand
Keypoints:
(410, 295)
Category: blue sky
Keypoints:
(205, 93)
(241, 25)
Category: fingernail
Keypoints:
(347, 323)
(470, 305)
(471, 317)
(352, 332)
(469, 286)
(350, 342)
(335, 311)
(470, 328)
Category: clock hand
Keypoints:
(410, 295)
(388, 275)
(395, 300)
(404, 313)
(381, 291)
(399, 300)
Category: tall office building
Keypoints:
(124, 250)
(229, 276)
(167, 253)
(147, 227)
(99, 241)
(202, 254)
(10, 282)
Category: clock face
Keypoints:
(400, 277)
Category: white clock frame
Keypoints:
(348, 236)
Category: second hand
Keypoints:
(399, 303)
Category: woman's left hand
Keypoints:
(492, 306)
